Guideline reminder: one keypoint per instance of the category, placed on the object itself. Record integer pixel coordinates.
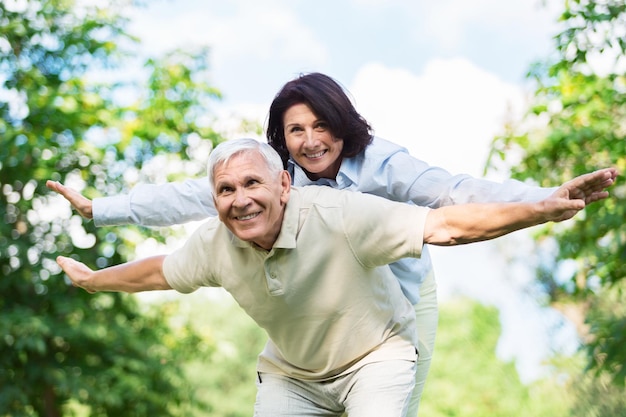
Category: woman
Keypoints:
(323, 140)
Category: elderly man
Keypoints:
(309, 265)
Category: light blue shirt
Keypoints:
(384, 169)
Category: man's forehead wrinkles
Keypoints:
(243, 178)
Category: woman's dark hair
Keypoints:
(329, 102)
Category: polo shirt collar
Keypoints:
(287, 236)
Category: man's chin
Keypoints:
(246, 235)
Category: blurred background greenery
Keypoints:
(64, 352)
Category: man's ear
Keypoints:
(285, 182)
(215, 202)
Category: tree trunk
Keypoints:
(51, 408)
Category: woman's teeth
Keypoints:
(315, 155)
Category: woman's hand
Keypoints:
(82, 204)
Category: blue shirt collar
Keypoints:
(346, 177)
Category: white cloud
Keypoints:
(252, 31)
(254, 47)
(448, 23)
(446, 115)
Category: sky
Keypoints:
(438, 77)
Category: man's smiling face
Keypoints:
(250, 199)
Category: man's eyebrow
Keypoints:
(221, 183)
(249, 177)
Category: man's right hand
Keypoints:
(579, 192)
(77, 272)
(82, 204)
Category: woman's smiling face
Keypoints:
(310, 143)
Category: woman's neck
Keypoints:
(329, 173)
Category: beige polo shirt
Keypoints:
(324, 293)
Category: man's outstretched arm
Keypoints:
(466, 223)
(142, 275)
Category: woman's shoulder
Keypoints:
(382, 148)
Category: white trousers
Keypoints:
(379, 389)
(427, 318)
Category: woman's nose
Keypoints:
(311, 139)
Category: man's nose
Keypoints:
(241, 198)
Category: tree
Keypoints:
(468, 380)
(223, 380)
(576, 124)
(61, 348)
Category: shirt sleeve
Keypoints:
(157, 205)
(382, 231)
(397, 175)
(189, 267)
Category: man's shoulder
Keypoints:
(318, 192)
(320, 195)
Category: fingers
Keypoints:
(65, 264)
(82, 204)
(606, 177)
(587, 188)
(63, 260)
(68, 265)
(563, 208)
(53, 185)
(597, 196)
(614, 173)
(591, 187)
(77, 272)
(583, 190)
(60, 189)
(597, 180)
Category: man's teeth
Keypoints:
(248, 217)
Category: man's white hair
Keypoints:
(226, 150)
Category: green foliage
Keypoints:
(577, 124)
(62, 349)
(589, 394)
(467, 379)
(607, 319)
(224, 381)
(598, 397)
